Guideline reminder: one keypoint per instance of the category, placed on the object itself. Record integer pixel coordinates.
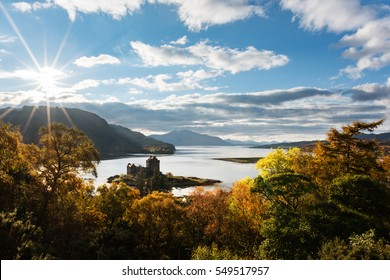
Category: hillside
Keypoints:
(382, 138)
(110, 140)
(190, 138)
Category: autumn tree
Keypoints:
(66, 217)
(18, 180)
(118, 239)
(278, 161)
(247, 213)
(346, 152)
(157, 221)
(207, 217)
(64, 154)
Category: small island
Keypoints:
(150, 178)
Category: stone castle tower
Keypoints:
(152, 166)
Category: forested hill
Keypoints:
(110, 140)
(382, 138)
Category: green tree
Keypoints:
(213, 253)
(20, 239)
(359, 247)
(288, 232)
(292, 191)
(365, 202)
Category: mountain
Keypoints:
(110, 140)
(382, 138)
(247, 143)
(190, 138)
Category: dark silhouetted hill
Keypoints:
(110, 140)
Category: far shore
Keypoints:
(240, 160)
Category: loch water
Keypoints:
(195, 161)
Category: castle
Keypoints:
(152, 167)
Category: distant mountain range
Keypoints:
(382, 138)
(190, 138)
(110, 140)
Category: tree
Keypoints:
(19, 238)
(365, 202)
(213, 253)
(18, 180)
(118, 237)
(64, 154)
(359, 247)
(246, 215)
(345, 152)
(207, 218)
(157, 219)
(278, 161)
(289, 190)
(287, 231)
(68, 221)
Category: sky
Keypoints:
(262, 70)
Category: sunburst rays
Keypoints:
(44, 77)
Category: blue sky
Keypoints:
(264, 70)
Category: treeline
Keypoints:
(329, 203)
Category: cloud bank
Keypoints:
(213, 57)
(196, 15)
(282, 115)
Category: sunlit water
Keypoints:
(192, 161)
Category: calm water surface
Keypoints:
(192, 161)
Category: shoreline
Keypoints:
(244, 160)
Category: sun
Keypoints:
(47, 79)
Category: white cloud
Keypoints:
(91, 61)
(26, 7)
(30, 74)
(214, 57)
(234, 60)
(117, 9)
(165, 55)
(7, 39)
(335, 15)
(29, 97)
(183, 81)
(198, 15)
(135, 91)
(88, 83)
(371, 92)
(288, 113)
(369, 46)
(181, 41)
